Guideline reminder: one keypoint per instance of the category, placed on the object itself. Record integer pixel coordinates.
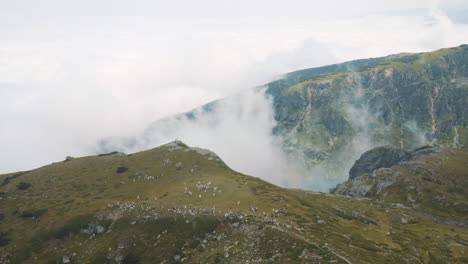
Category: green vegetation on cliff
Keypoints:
(331, 115)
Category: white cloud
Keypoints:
(66, 82)
(239, 131)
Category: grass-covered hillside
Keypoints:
(434, 181)
(176, 204)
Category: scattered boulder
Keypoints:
(68, 158)
(65, 259)
(403, 219)
(177, 258)
(93, 229)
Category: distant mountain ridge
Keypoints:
(326, 117)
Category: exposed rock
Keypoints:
(403, 219)
(381, 157)
(100, 229)
(422, 151)
(175, 145)
(65, 259)
(93, 229)
(253, 209)
(207, 153)
(371, 172)
(113, 153)
(177, 258)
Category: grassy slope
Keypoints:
(435, 183)
(317, 228)
(364, 65)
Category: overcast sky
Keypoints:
(73, 72)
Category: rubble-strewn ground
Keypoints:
(173, 205)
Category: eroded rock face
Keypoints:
(374, 171)
(381, 157)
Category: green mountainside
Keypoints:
(331, 115)
(176, 204)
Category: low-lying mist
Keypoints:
(238, 129)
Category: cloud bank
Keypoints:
(67, 82)
(238, 129)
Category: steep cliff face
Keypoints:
(331, 115)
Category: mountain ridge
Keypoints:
(326, 117)
(176, 203)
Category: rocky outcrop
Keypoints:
(381, 157)
(428, 178)
(371, 171)
(386, 157)
(179, 145)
